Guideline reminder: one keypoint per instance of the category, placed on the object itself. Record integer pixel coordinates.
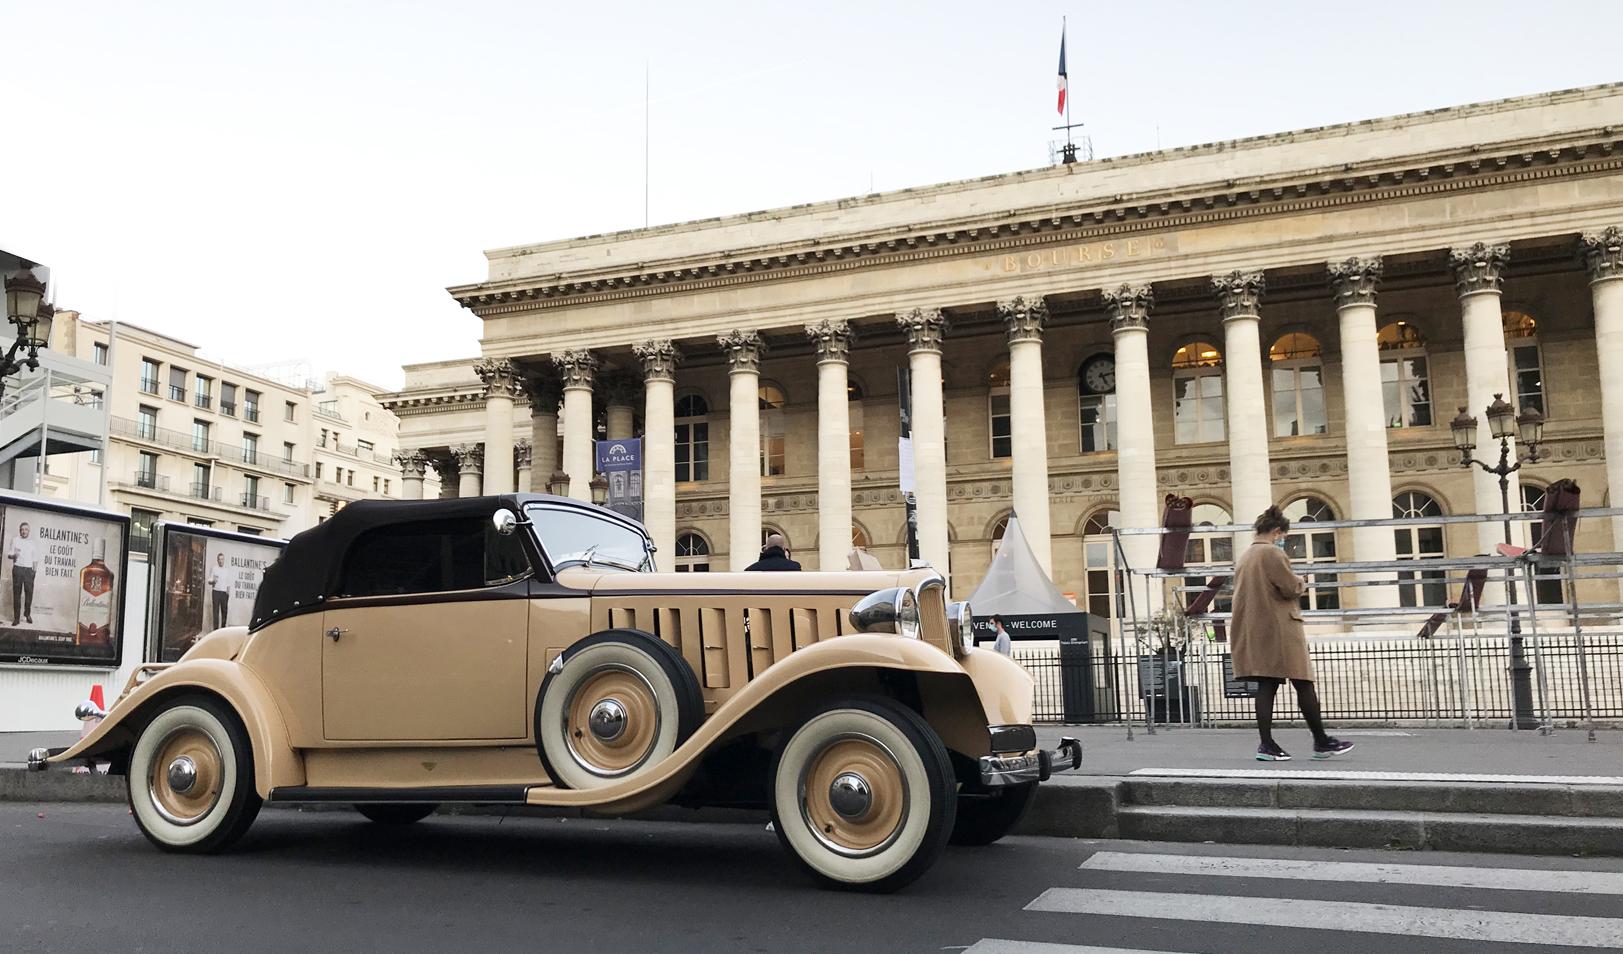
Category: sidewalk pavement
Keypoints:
(1465, 752)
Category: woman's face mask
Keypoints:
(1280, 543)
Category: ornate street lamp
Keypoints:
(558, 484)
(25, 309)
(1528, 428)
(600, 489)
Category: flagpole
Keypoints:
(645, 86)
(1070, 147)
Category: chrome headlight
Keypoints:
(893, 610)
(961, 623)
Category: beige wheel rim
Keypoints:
(612, 689)
(854, 831)
(186, 776)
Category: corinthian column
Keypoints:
(1369, 470)
(544, 396)
(1604, 253)
(501, 383)
(1478, 271)
(925, 327)
(576, 369)
(1129, 309)
(413, 465)
(744, 350)
(470, 459)
(659, 360)
(833, 341)
(1239, 297)
(1024, 319)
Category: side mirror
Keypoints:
(504, 521)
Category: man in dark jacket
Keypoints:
(775, 555)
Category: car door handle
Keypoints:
(335, 632)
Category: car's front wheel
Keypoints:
(863, 795)
(983, 819)
(191, 777)
(385, 813)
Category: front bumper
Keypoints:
(998, 771)
(38, 759)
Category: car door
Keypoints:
(427, 638)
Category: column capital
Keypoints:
(576, 368)
(743, 349)
(523, 453)
(1239, 294)
(544, 389)
(620, 388)
(1129, 307)
(1478, 268)
(445, 467)
(470, 458)
(499, 376)
(833, 340)
(413, 463)
(1603, 251)
(1024, 317)
(659, 358)
(924, 327)
(1353, 281)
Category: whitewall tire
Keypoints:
(191, 777)
(863, 795)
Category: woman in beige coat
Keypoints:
(1268, 643)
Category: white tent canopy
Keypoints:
(1015, 584)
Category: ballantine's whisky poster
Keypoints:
(208, 581)
(61, 584)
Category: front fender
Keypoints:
(275, 762)
(857, 651)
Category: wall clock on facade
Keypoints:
(1099, 374)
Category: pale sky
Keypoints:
(300, 181)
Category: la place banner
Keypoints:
(621, 463)
(61, 583)
(206, 580)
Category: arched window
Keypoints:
(859, 537)
(1405, 381)
(768, 530)
(1546, 583)
(1211, 547)
(1526, 362)
(692, 554)
(1418, 543)
(692, 438)
(1197, 395)
(772, 440)
(997, 411)
(1099, 587)
(853, 392)
(1298, 379)
(998, 530)
(1096, 402)
(1307, 545)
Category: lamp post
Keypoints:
(558, 484)
(600, 489)
(26, 310)
(1528, 426)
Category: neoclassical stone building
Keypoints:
(1292, 318)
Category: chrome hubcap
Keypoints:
(182, 774)
(850, 796)
(607, 720)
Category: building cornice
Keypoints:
(1033, 228)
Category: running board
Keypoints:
(480, 794)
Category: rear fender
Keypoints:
(276, 764)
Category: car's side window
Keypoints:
(431, 556)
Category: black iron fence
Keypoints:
(1444, 680)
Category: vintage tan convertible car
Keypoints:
(521, 650)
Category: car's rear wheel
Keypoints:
(617, 704)
(385, 813)
(983, 819)
(863, 795)
(191, 777)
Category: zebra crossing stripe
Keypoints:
(1500, 926)
(1506, 879)
(998, 946)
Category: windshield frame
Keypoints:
(535, 514)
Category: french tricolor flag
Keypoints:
(1062, 77)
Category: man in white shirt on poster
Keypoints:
(219, 590)
(24, 556)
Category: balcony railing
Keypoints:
(203, 401)
(186, 442)
(149, 386)
(177, 392)
(148, 480)
(228, 408)
(256, 502)
(207, 492)
(250, 413)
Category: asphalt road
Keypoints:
(83, 879)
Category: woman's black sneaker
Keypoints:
(1272, 753)
(1331, 748)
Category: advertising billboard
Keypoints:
(61, 583)
(621, 462)
(204, 580)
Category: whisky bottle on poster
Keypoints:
(95, 601)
